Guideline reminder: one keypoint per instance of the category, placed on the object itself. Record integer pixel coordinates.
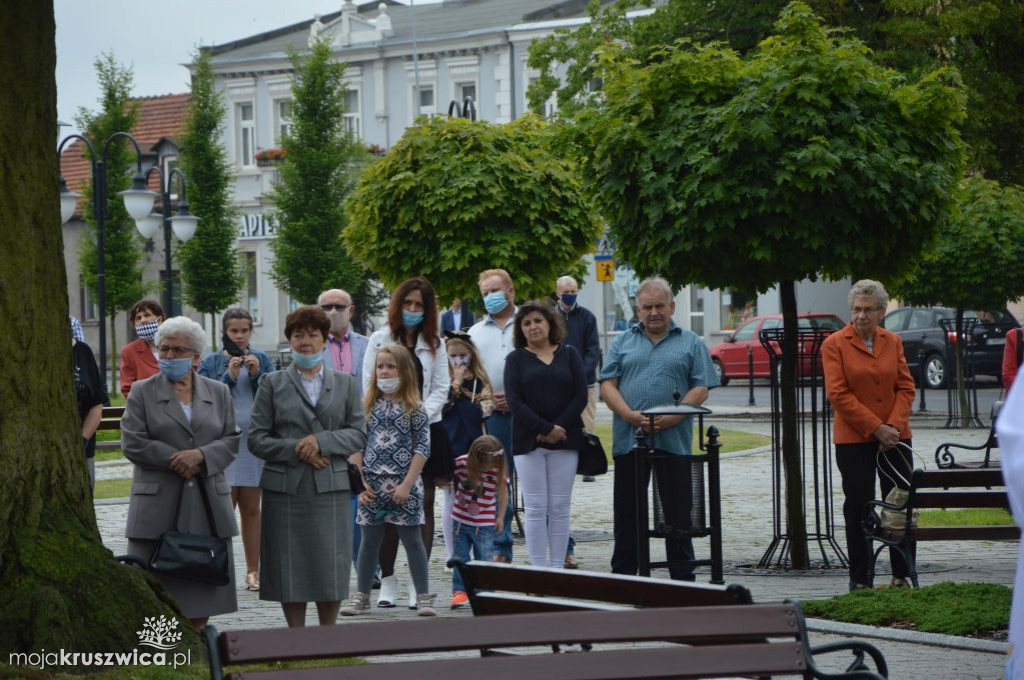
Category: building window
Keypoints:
(697, 309)
(282, 119)
(353, 120)
(250, 291)
(89, 312)
(737, 307)
(246, 138)
(427, 106)
(169, 164)
(550, 106)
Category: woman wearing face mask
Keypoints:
(139, 357)
(306, 421)
(179, 431)
(413, 323)
(240, 368)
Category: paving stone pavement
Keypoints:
(747, 530)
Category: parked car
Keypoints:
(731, 355)
(924, 337)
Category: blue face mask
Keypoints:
(569, 299)
(411, 319)
(307, 361)
(495, 302)
(175, 369)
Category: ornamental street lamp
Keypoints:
(183, 224)
(138, 201)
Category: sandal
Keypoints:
(252, 580)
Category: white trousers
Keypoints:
(545, 479)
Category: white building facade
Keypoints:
(406, 61)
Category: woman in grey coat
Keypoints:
(306, 421)
(179, 429)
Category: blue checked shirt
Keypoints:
(649, 373)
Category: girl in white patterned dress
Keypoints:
(397, 447)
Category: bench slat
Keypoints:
(611, 588)
(413, 637)
(961, 499)
(972, 533)
(489, 604)
(931, 479)
(646, 664)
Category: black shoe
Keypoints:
(589, 478)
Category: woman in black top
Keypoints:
(90, 396)
(546, 391)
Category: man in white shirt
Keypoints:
(493, 337)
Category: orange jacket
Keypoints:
(137, 363)
(866, 389)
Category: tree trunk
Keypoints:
(795, 522)
(60, 588)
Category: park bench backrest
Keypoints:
(756, 639)
(496, 588)
(978, 488)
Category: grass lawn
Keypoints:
(951, 608)
(965, 517)
(112, 488)
(732, 440)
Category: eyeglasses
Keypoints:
(863, 310)
(170, 349)
(331, 308)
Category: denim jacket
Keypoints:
(215, 365)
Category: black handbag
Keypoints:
(355, 480)
(192, 556)
(592, 461)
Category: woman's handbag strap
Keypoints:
(206, 505)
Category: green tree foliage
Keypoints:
(977, 261)
(981, 38)
(454, 197)
(804, 158)
(317, 174)
(211, 270)
(122, 244)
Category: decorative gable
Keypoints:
(352, 29)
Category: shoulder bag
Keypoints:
(192, 556)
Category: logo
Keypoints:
(159, 633)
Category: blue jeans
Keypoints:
(480, 539)
(500, 426)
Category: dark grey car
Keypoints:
(923, 337)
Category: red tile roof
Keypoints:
(160, 117)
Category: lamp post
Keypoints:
(138, 201)
(183, 224)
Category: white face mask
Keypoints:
(389, 385)
(458, 360)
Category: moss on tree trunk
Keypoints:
(60, 588)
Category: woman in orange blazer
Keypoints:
(871, 392)
(138, 358)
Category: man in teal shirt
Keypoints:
(645, 366)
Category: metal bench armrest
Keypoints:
(856, 670)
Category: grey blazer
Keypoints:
(154, 427)
(282, 415)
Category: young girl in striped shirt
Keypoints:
(478, 516)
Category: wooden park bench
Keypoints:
(755, 640)
(111, 420)
(945, 459)
(931, 489)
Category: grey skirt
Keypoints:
(305, 544)
(196, 600)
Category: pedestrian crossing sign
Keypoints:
(605, 268)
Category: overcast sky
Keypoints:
(155, 38)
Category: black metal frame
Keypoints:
(646, 454)
(970, 374)
(813, 410)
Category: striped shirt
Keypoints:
(470, 509)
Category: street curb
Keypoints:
(113, 462)
(111, 501)
(908, 636)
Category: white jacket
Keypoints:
(435, 370)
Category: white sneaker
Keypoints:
(388, 591)
(412, 595)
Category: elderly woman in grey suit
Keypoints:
(306, 421)
(179, 431)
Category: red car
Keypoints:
(731, 356)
